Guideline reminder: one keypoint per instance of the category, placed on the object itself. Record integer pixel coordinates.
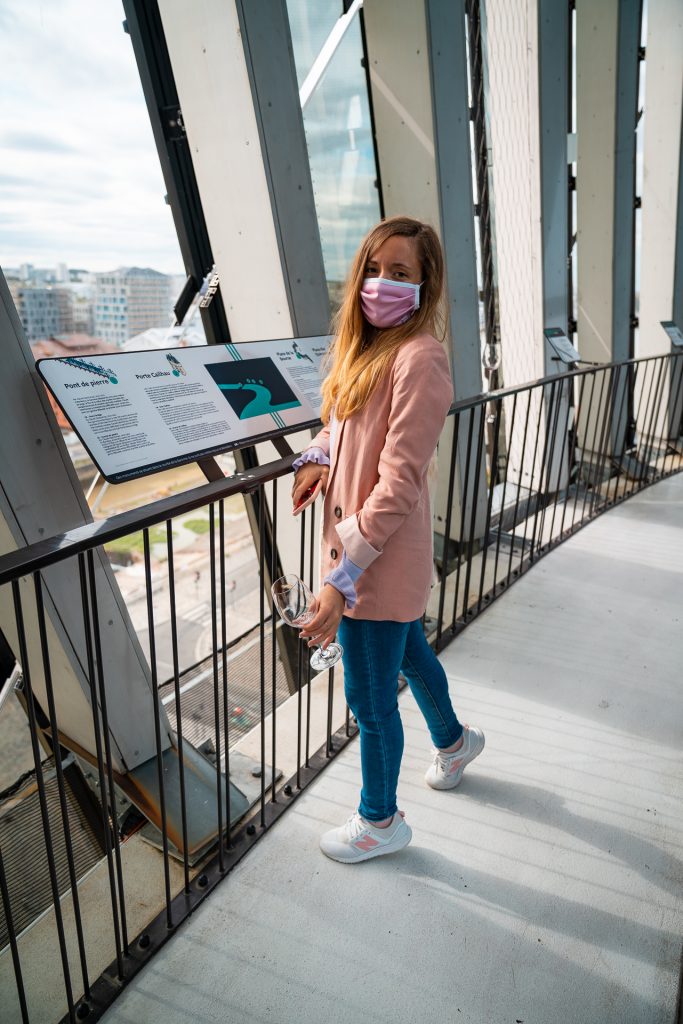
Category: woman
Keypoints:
(385, 401)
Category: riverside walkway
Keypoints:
(547, 889)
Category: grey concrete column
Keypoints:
(418, 74)
(553, 91)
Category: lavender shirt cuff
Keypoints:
(311, 455)
(343, 579)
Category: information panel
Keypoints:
(675, 334)
(142, 412)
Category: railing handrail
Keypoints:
(51, 550)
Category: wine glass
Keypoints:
(297, 606)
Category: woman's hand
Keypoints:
(324, 625)
(307, 477)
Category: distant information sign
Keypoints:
(675, 334)
(141, 412)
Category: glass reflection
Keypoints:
(339, 137)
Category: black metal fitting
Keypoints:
(251, 830)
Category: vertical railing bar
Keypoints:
(273, 646)
(302, 648)
(262, 646)
(572, 447)
(519, 483)
(673, 400)
(463, 514)
(494, 463)
(216, 695)
(643, 434)
(18, 976)
(311, 556)
(670, 374)
(157, 724)
(99, 662)
(560, 464)
(106, 828)
(61, 785)
(645, 364)
(447, 529)
(544, 472)
(473, 517)
(589, 479)
(606, 436)
(613, 458)
(178, 708)
(224, 669)
(643, 405)
(42, 798)
(653, 414)
(631, 426)
(549, 460)
(615, 380)
(531, 483)
(584, 447)
(502, 499)
(330, 701)
(664, 360)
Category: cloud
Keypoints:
(36, 142)
(81, 181)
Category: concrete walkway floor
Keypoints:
(547, 888)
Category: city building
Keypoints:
(130, 300)
(44, 311)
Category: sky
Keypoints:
(80, 180)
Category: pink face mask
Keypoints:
(388, 303)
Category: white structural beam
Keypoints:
(234, 73)
(607, 74)
(661, 159)
(40, 497)
(327, 52)
(661, 178)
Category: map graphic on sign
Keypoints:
(253, 387)
(90, 367)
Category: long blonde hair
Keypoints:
(361, 354)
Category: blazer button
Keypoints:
(338, 512)
(333, 553)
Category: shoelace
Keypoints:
(443, 760)
(355, 826)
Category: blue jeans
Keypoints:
(374, 652)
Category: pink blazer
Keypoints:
(377, 504)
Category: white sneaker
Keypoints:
(446, 770)
(359, 840)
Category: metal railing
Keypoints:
(520, 470)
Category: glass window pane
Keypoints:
(339, 139)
